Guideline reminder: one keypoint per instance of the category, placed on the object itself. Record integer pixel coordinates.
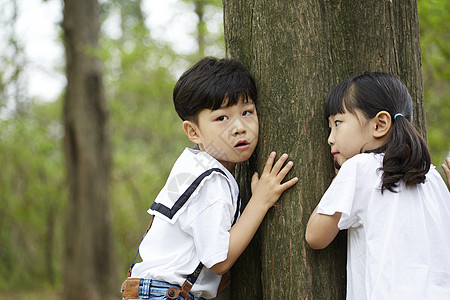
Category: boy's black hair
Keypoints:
(209, 83)
(406, 153)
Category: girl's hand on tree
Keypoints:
(268, 188)
(446, 169)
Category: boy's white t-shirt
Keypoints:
(398, 243)
(199, 231)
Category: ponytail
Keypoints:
(406, 156)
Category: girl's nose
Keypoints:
(330, 139)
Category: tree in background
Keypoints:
(203, 35)
(89, 255)
(297, 51)
(12, 64)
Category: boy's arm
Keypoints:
(321, 229)
(266, 192)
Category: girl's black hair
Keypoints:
(406, 153)
(209, 83)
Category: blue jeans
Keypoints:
(150, 289)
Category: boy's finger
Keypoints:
(277, 167)
(255, 179)
(289, 183)
(285, 170)
(269, 162)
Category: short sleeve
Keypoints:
(209, 221)
(349, 193)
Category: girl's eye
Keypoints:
(247, 113)
(337, 123)
(222, 118)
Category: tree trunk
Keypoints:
(298, 50)
(201, 25)
(89, 271)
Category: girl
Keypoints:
(393, 202)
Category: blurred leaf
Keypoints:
(435, 44)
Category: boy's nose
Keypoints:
(238, 128)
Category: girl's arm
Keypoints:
(265, 193)
(446, 169)
(321, 229)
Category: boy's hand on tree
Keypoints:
(268, 187)
(266, 191)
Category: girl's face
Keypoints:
(350, 134)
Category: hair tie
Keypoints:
(396, 115)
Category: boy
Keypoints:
(195, 237)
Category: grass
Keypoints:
(30, 295)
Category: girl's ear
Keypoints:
(191, 130)
(382, 124)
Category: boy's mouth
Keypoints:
(242, 144)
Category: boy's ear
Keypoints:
(382, 124)
(191, 130)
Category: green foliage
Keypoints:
(146, 133)
(32, 197)
(435, 37)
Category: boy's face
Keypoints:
(229, 134)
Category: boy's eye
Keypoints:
(222, 118)
(337, 123)
(247, 113)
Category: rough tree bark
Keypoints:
(298, 50)
(89, 271)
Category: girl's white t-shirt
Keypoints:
(198, 232)
(398, 243)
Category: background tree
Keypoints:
(297, 51)
(12, 64)
(89, 256)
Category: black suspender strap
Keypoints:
(170, 212)
(238, 208)
(192, 278)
